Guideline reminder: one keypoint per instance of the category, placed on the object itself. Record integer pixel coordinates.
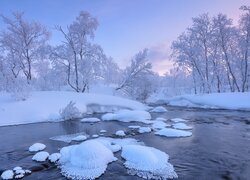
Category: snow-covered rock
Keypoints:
(17, 168)
(178, 120)
(95, 135)
(147, 162)
(169, 132)
(40, 156)
(159, 109)
(87, 160)
(103, 131)
(120, 133)
(79, 138)
(20, 171)
(160, 119)
(128, 116)
(90, 120)
(19, 176)
(8, 174)
(54, 157)
(182, 126)
(37, 147)
(159, 125)
(144, 130)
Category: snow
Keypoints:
(147, 162)
(169, 132)
(233, 101)
(103, 131)
(134, 127)
(54, 157)
(8, 174)
(178, 120)
(67, 138)
(159, 109)
(37, 147)
(95, 135)
(182, 126)
(160, 119)
(128, 116)
(120, 133)
(79, 138)
(144, 130)
(87, 160)
(90, 120)
(30, 111)
(40, 156)
(159, 125)
(17, 168)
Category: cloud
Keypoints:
(159, 56)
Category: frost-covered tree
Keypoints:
(21, 41)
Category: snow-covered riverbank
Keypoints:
(46, 105)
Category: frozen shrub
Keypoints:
(19, 89)
(70, 111)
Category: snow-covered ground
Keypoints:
(46, 105)
(233, 101)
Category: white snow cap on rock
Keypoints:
(182, 126)
(178, 120)
(159, 109)
(160, 119)
(103, 131)
(90, 120)
(40, 156)
(144, 130)
(87, 160)
(54, 157)
(169, 132)
(8, 174)
(37, 147)
(128, 116)
(79, 138)
(159, 125)
(120, 133)
(147, 162)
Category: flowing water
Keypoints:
(218, 149)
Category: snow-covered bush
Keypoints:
(70, 111)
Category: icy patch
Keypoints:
(37, 147)
(87, 160)
(67, 138)
(178, 120)
(182, 126)
(40, 156)
(8, 174)
(128, 116)
(134, 127)
(169, 132)
(144, 130)
(79, 138)
(147, 162)
(159, 109)
(54, 157)
(120, 133)
(90, 120)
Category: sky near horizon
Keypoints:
(126, 26)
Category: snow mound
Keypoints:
(128, 116)
(182, 126)
(169, 132)
(144, 130)
(120, 133)
(8, 174)
(79, 138)
(160, 119)
(37, 147)
(159, 125)
(87, 160)
(54, 157)
(90, 120)
(147, 162)
(134, 127)
(40, 156)
(159, 109)
(178, 120)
